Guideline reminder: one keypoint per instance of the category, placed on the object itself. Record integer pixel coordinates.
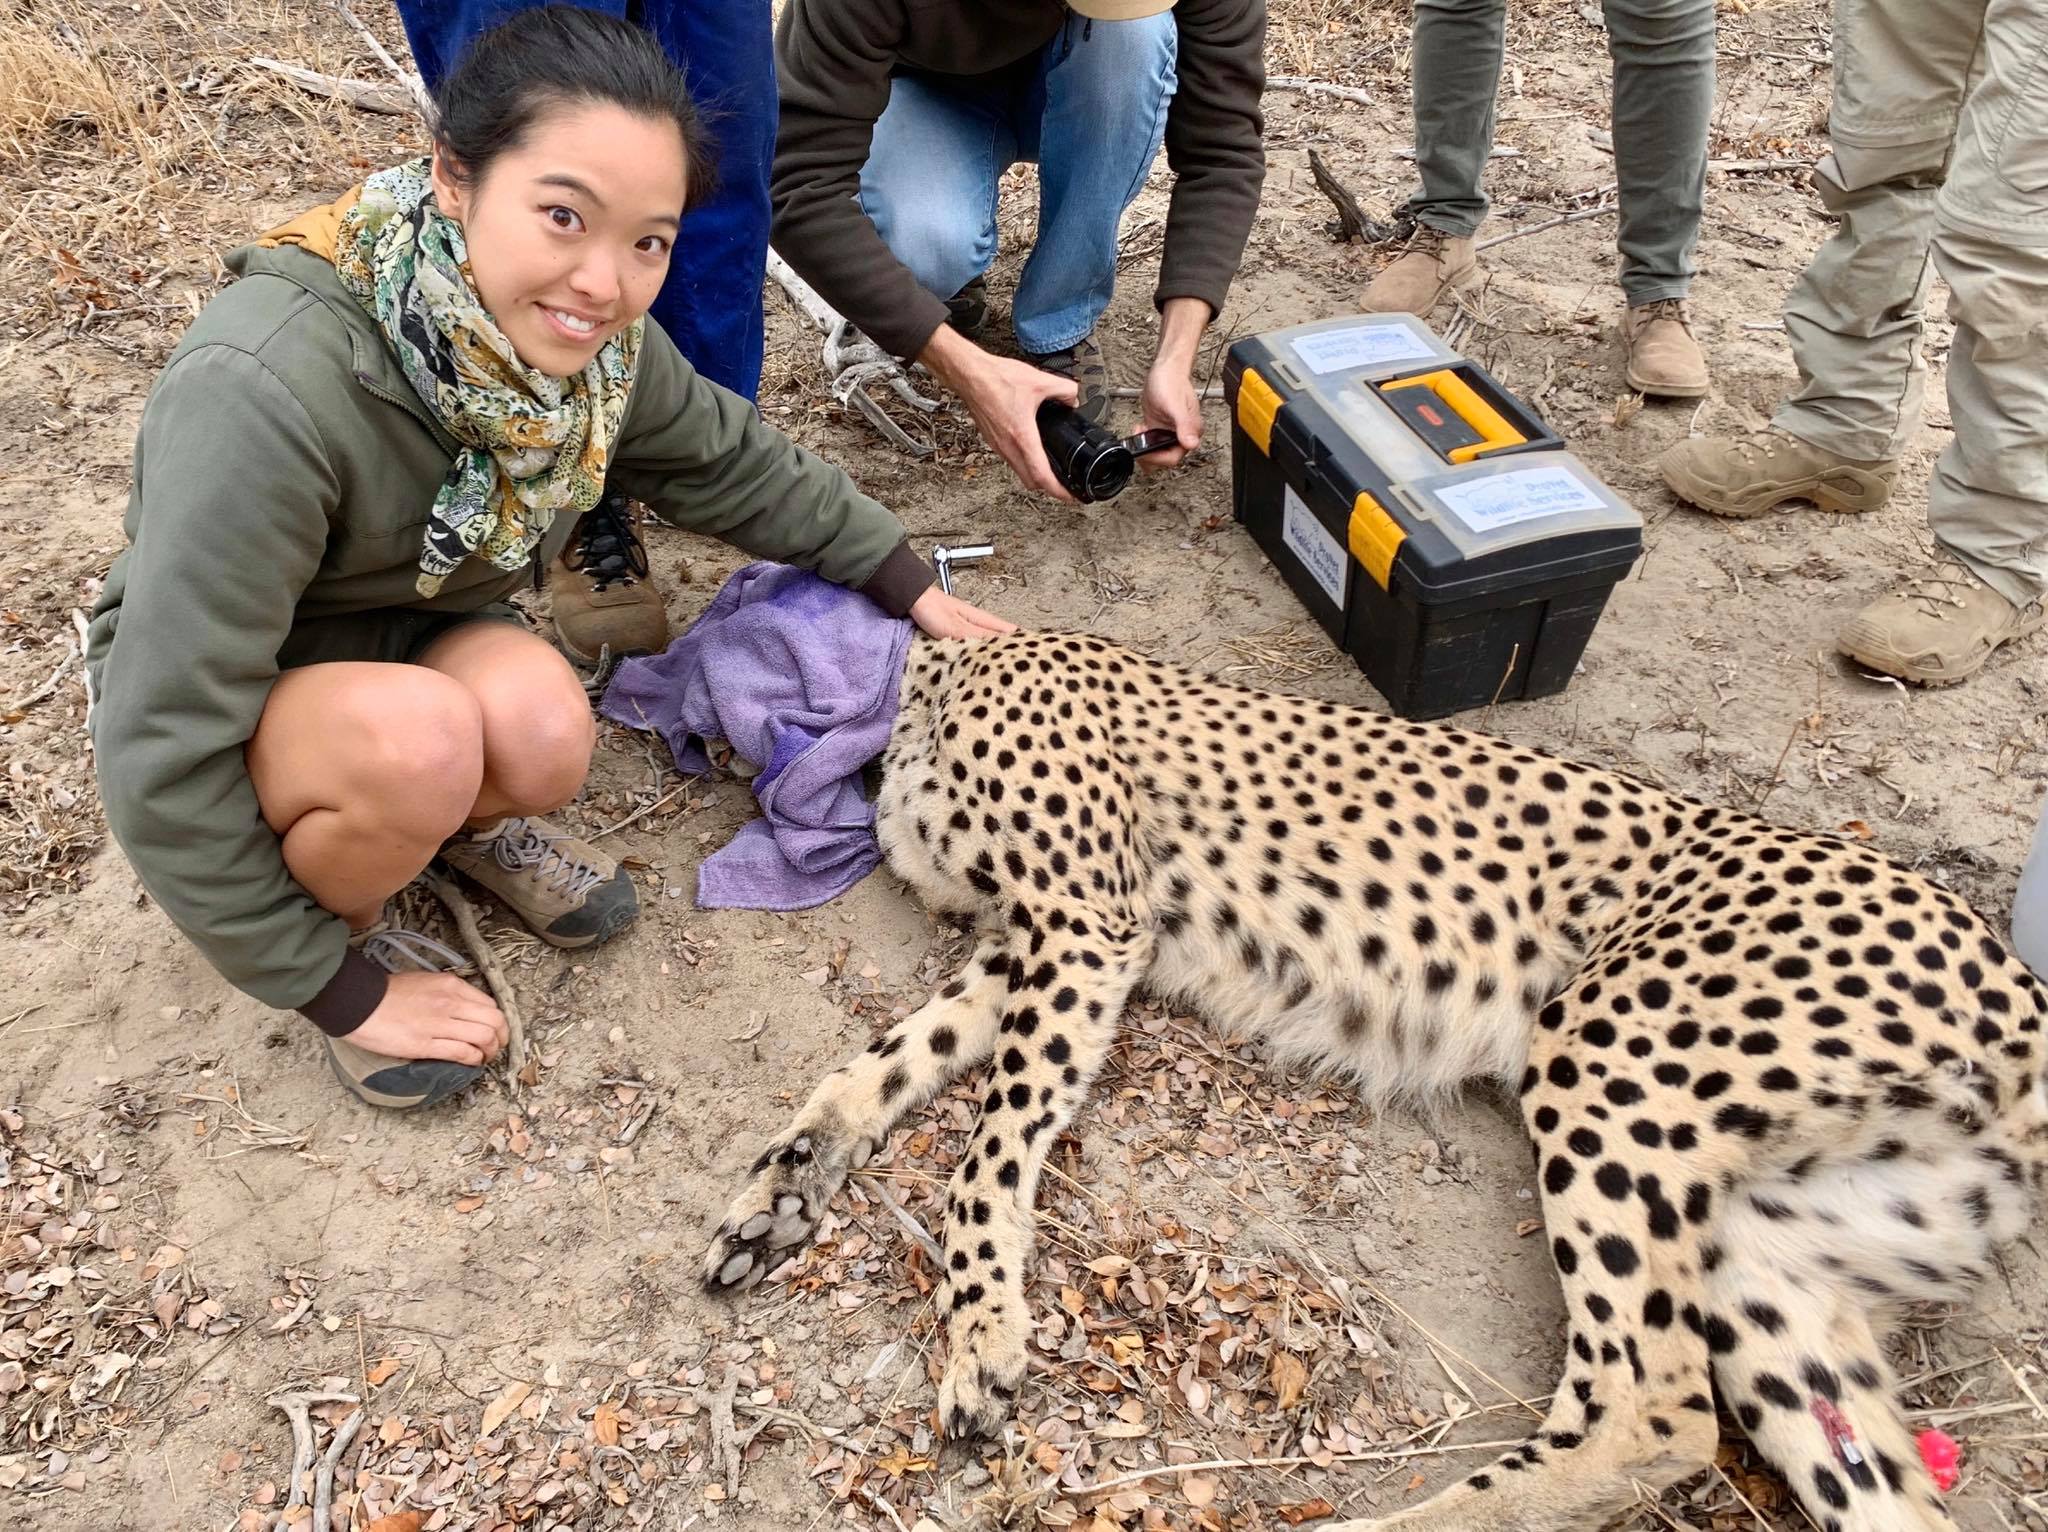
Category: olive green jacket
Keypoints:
(283, 472)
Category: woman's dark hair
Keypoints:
(559, 55)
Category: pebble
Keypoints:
(1431, 1176)
(973, 1476)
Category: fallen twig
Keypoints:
(296, 1408)
(1310, 87)
(323, 1486)
(1162, 1470)
(1352, 225)
(408, 79)
(879, 1185)
(464, 914)
(1549, 223)
(360, 94)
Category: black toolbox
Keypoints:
(1438, 530)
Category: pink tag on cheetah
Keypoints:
(1944, 1459)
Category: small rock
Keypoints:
(1363, 1251)
(170, 1012)
(973, 1476)
(1431, 1176)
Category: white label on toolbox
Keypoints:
(1311, 542)
(1363, 345)
(1502, 499)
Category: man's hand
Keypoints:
(1169, 400)
(1003, 397)
(945, 616)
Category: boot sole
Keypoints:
(1651, 390)
(1873, 494)
(370, 1096)
(1866, 655)
(613, 923)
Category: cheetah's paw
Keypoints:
(795, 1177)
(978, 1395)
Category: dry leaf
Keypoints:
(398, 1521)
(383, 1370)
(900, 1462)
(1527, 1227)
(1415, 1482)
(1198, 1491)
(605, 1424)
(500, 1408)
(1290, 1378)
(1857, 828)
(468, 1204)
(1293, 1515)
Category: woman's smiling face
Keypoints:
(570, 230)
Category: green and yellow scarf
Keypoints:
(535, 446)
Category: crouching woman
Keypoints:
(308, 684)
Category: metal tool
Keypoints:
(944, 558)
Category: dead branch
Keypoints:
(464, 914)
(407, 79)
(1352, 225)
(295, 1407)
(360, 94)
(1549, 223)
(1310, 87)
(323, 1486)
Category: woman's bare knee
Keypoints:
(538, 732)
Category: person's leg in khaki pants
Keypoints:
(1987, 503)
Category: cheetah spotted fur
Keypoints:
(1776, 1085)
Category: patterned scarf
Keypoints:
(536, 446)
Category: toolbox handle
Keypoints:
(1494, 430)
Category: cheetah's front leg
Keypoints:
(850, 1113)
(1062, 1012)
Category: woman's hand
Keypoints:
(945, 616)
(433, 1016)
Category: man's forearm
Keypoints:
(1181, 323)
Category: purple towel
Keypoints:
(800, 675)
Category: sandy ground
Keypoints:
(1237, 1264)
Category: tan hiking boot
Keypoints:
(603, 598)
(400, 1085)
(1938, 628)
(1749, 475)
(1434, 265)
(1663, 358)
(1084, 363)
(567, 892)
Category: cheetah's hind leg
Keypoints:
(849, 1115)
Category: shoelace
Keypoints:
(1935, 594)
(398, 950)
(1672, 309)
(523, 847)
(607, 549)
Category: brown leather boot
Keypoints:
(1434, 265)
(1663, 358)
(603, 598)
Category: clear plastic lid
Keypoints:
(1493, 504)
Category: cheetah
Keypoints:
(1776, 1085)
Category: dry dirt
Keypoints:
(1238, 1265)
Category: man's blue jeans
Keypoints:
(710, 304)
(1092, 117)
